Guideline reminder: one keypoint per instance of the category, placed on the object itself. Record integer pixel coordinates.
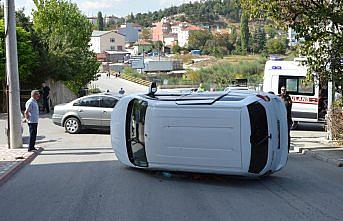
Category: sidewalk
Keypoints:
(316, 145)
(12, 160)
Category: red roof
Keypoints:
(193, 28)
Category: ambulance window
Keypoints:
(306, 87)
(297, 85)
(292, 85)
(135, 136)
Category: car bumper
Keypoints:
(57, 119)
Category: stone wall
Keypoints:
(59, 93)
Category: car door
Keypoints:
(89, 111)
(107, 104)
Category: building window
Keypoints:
(113, 48)
(112, 40)
(120, 48)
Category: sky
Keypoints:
(112, 7)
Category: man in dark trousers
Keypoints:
(46, 97)
(31, 117)
(287, 100)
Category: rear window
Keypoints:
(259, 137)
(108, 102)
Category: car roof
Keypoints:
(104, 94)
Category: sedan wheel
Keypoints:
(72, 125)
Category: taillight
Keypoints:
(263, 97)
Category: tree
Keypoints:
(198, 39)
(157, 45)
(259, 40)
(64, 35)
(100, 22)
(244, 32)
(27, 57)
(320, 23)
(176, 49)
(276, 46)
(146, 34)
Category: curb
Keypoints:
(5, 177)
(318, 156)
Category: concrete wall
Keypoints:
(59, 93)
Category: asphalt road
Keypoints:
(77, 177)
(114, 84)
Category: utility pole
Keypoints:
(15, 140)
(331, 89)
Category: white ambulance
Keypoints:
(234, 132)
(309, 99)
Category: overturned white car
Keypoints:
(234, 132)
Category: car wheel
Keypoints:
(72, 125)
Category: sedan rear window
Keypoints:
(108, 102)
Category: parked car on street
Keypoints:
(234, 132)
(92, 111)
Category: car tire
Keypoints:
(72, 125)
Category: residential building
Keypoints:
(170, 40)
(137, 27)
(183, 34)
(161, 29)
(182, 31)
(141, 47)
(110, 19)
(130, 31)
(92, 20)
(102, 41)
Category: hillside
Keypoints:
(205, 12)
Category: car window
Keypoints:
(88, 102)
(108, 102)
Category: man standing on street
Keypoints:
(31, 116)
(287, 100)
(46, 97)
(121, 91)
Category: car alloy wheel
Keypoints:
(72, 125)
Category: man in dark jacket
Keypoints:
(46, 97)
(287, 100)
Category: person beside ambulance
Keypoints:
(287, 100)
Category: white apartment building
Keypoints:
(102, 41)
(182, 30)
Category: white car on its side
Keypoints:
(235, 132)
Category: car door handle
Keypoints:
(80, 110)
(104, 111)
